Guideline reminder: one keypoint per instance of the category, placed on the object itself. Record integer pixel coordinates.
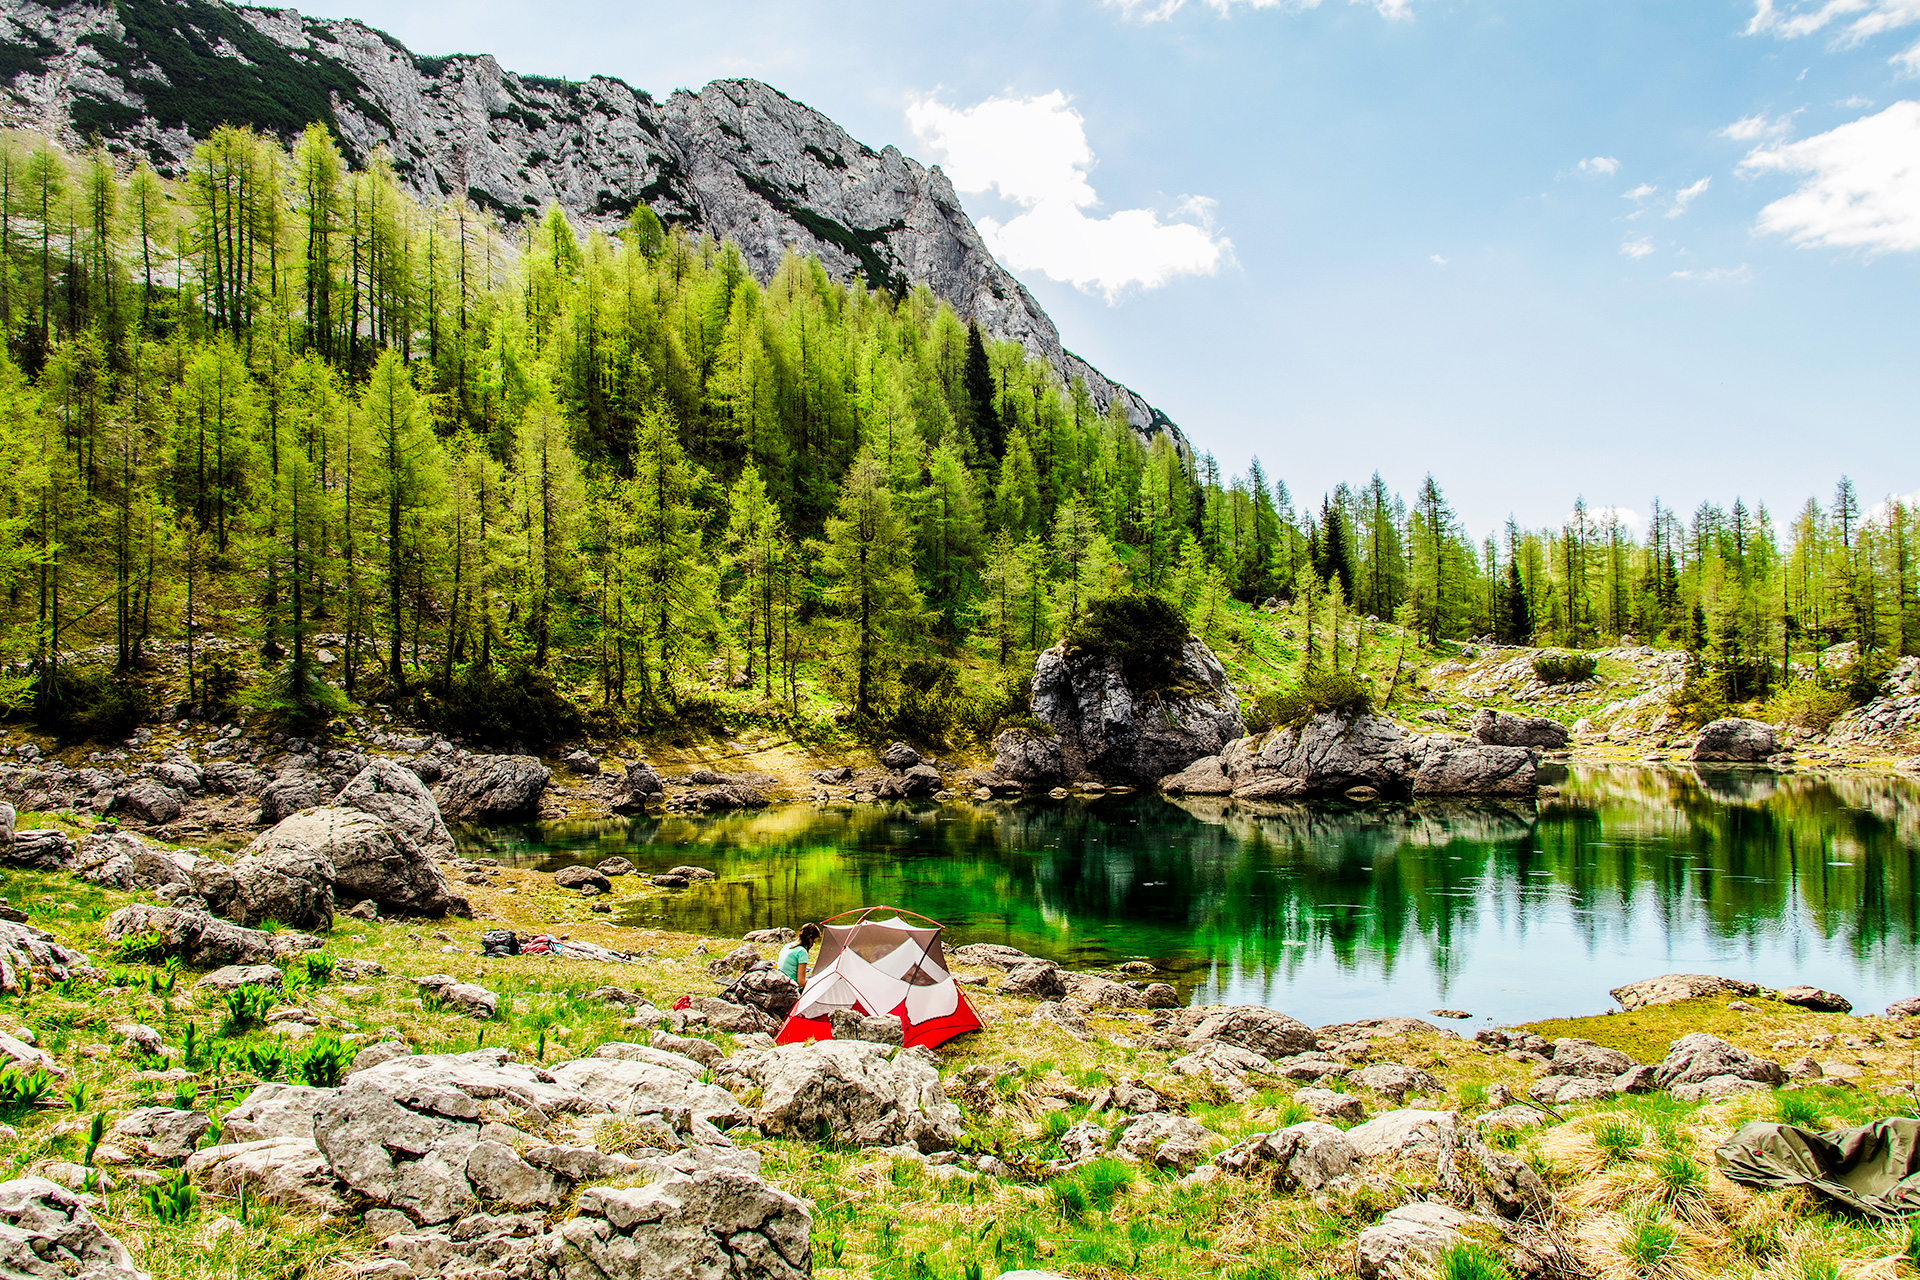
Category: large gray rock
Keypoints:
(201, 940)
(712, 1224)
(289, 793)
(1164, 1140)
(1672, 988)
(46, 1233)
(1204, 777)
(150, 802)
(33, 955)
(369, 859)
(1408, 1243)
(285, 1171)
(1108, 730)
(285, 881)
(1584, 1058)
(1734, 741)
(274, 1111)
(1267, 1032)
(394, 794)
(1698, 1057)
(1028, 758)
(632, 1087)
(7, 818)
(161, 1133)
(1504, 729)
(1329, 756)
(1305, 1156)
(493, 788)
(849, 1091)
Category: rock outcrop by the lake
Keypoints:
(1504, 729)
(1672, 988)
(1331, 755)
(395, 794)
(368, 859)
(1109, 730)
(493, 788)
(1734, 741)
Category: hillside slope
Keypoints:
(739, 160)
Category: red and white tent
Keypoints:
(873, 961)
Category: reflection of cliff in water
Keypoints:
(1745, 864)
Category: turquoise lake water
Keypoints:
(1337, 911)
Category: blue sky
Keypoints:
(1359, 234)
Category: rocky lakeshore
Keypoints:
(376, 1062)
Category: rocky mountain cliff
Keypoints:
(738, 159)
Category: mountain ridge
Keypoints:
(737, 159)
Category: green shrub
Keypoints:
(1805, 705)
(93, 703)
(1859, 681)
(247, 1008)
(1465, 1260)
(1618, 1138)
(518, 706)
(1145, 633)
(1650, 1241)
(1702, 698)
(170, 1201)
(1796, 1108)
(1319, 692)
(219, 680)
(1557, 667)
(265, 1061)
(141, 948)
(20, 1090)
(322, 1062)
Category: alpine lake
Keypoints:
(1334, 911)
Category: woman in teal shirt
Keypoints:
(793, 957)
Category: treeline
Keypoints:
(279, 398)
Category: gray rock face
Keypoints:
(849, 1091)
(1814, 998)
(1394, 1080)
(1734, 742)
(27, 953)
(161, 1133)
(899, 756)
(151, 801)
(848, 1025)
(290, 793)
(202, 941)
(1586, 1059)
(466, 997)
(738, 160)
(1106, 730)
(369, 859)
(1503, 729)
(1267, 1032)
(1304, 1156)
(1035, 980)
(395, 795)
(641, 1088)
(1672, 988)
(494, 788)
(1408, 1243)
(1023, 756)
(1204, 777)
(1164, 1140)
(283, 1171)
(234, 976)
(771, 992)
(1330, 756)
(47, 1234)
(287, 882)
(7, 817)
(1698, 1057)
(711, 1222)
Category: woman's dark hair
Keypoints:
(809, 934)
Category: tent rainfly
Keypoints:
(874, 962)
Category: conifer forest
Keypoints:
(329, 445)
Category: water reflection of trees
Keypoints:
(1721, 855)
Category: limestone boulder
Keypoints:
(1814, 998)
(1332, 755)
(285, 1171)
(370, 860)
(1304, 1157)
(1027, 758)
(1408, 1243)
(46, 1233)
(1267, 1032)
(285, 882)
(853, 1092)
(1108, 730)
(1451, 768)
(31, 955)
(1672, 988)
(1164, 1140)
(711, 1223)
(630, 1087)
(394, 794)
(1698, 1057)
(1035, 980)
(493, 788)
(1573, 1057)
(1504, 729)
(161, 1133)
(289, 793)
(1204, 777)
(202, 941)
(1734, 741)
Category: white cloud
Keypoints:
(1857, 21)
(1637, 249)
(1034, 152)
(1438, 260)
(1640, 192)
(1716, 275)
(1160, 10)
(1597, 518)
(1687, 195)
(1860, 184)
(1599, 166)
(1756, 128)
(1883, 508)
